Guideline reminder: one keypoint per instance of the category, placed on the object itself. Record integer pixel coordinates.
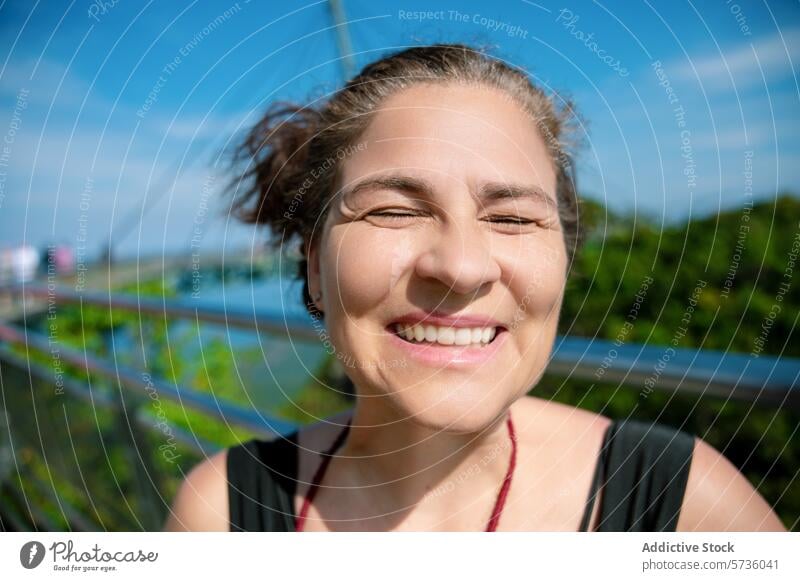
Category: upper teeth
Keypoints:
(446, 335)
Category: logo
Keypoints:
(31, 554)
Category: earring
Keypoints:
(318, 296)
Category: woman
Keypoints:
(435, 202)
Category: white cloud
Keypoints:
(774, 55)
(187, 128)
(43, 78)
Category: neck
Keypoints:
(401, 467)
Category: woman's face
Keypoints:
(446, 221)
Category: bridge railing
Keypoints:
(760, 380)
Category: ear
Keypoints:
(313, 273)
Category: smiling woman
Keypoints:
(435, 204)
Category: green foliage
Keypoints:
(742, 256)
(746, 258)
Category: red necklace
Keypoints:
(499, 503)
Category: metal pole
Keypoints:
(343, 39)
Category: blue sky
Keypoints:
(109, 108)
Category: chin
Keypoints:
(460, 408)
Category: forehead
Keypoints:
(471, 133)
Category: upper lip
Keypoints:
(441, 320)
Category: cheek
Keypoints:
(537, 276)
(363, 265)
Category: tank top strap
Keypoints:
(262, 478)
(640, 477)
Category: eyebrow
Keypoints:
(490, 191)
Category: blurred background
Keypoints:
(142, 328)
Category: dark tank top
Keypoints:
(639, 480)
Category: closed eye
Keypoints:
(510, 220)
(393, 215)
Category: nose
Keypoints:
(460, 257)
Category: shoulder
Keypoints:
(559, 445)
(547, 419)
(561, 433)
(719, 498)
(201, 503)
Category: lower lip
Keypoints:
(452, 355)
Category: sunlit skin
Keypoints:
(445, 248)
(477, 232)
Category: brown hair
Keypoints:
(291, 156)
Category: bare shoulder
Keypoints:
(201, 503)
(541, 417)
(561, 436)
(559, 446)
(719, 498)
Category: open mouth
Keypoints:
(435, 335)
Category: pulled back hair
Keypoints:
(287, 166)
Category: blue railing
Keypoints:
(764, 380)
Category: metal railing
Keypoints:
(765, 380)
